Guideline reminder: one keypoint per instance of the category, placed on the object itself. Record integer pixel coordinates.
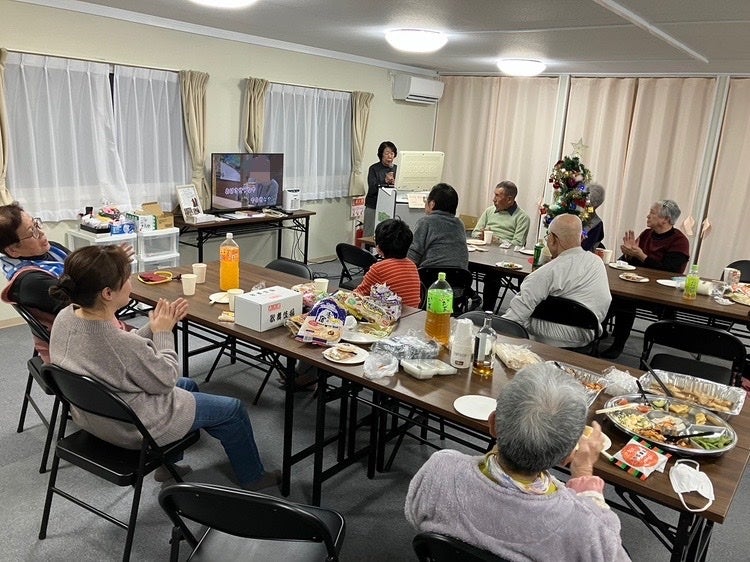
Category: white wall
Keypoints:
(43, 30)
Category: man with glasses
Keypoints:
(574, 274)
(660, 246)
(32, 264)
(508, 223)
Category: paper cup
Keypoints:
(188, 283)
(488, 237)
(321, 285)
(231, 295)
(199, 269)
(607, 255)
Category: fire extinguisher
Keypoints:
(359, 232)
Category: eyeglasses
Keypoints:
(548, 235)
(36, 229)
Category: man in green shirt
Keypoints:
(504, 217)
(509, 223)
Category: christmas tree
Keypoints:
(569, 178)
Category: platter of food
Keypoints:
(715, 396)
(509, 265)
(592, 382)
(633, 277)
(346, 354)
(675, 425)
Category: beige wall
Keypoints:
(44, 30)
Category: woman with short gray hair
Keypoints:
(507, 502)
(593, 232)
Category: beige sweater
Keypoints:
(142, 367)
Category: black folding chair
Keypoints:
(696, 339)
(460, 280)
(246, 525)
(120, 466)
(434, 547)
(34, 365)
(354, 264)
(292, 267)
(499, 324)
(566, 312)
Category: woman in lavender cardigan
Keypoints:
(507, 502)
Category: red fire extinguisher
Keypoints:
(359, 232)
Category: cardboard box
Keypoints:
(150, 217)
(266, 308)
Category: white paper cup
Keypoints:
(231, 295)
(488, 237)
(188, 283)
(321, 285)
(607, 255)
(200, 271)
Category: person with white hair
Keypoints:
(660, 246)
(507, 502)
(595, 227)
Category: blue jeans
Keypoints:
(226, 419)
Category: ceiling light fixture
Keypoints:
(521, 67)
(416, 40)
(229, 4)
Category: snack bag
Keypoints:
(386, 298)
(324, 324)
(640, 458)
(363, 308)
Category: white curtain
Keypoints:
(312, 128)
(494, 129)
(150, 134)
(61, 137)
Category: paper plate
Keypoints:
(509, 265)
(607, 441)
(354, 336)
(626, 267)
(667, 282)
(359, 356)
(221, 298)
(636, 279)
(475, 406)
(475, 241)
(526, 251)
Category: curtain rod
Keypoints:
(90, 60)
(313, 87)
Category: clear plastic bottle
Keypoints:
(229, 264)
(484, 348)
(691, 283)
(439, 309)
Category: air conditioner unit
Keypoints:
(417, 90)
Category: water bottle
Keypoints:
(229, 264)
(484, 348)
(439, 309)
(691, 283)
(461, 350)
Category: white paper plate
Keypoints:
(509, 265)
(221, 298)
(607, 441)
(667, 282)
(471, 248)
(526, 251)
(475, 242)
(640, 278)
(354, 336)
(359, 357)
(626, 267)
(475, 406)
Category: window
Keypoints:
(312, 127)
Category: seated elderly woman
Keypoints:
(142, 366)
(507, 502)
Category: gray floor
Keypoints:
(376, 528)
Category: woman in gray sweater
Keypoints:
(142, 366)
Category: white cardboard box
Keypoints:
(266, 308)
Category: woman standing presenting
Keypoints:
(381, 173)
(141, 366)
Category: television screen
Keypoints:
(246, 181)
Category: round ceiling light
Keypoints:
(416, 40)
(230, 4)
(521, 67)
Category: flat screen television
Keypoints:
(246, 181)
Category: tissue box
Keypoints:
(266, 308)
(150, 217)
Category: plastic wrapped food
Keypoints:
(619, 382)
(323, 325)
(516, 356)
(409, 346)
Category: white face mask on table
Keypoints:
(686, 479)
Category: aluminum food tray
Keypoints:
(697, 390)
(584, 377)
